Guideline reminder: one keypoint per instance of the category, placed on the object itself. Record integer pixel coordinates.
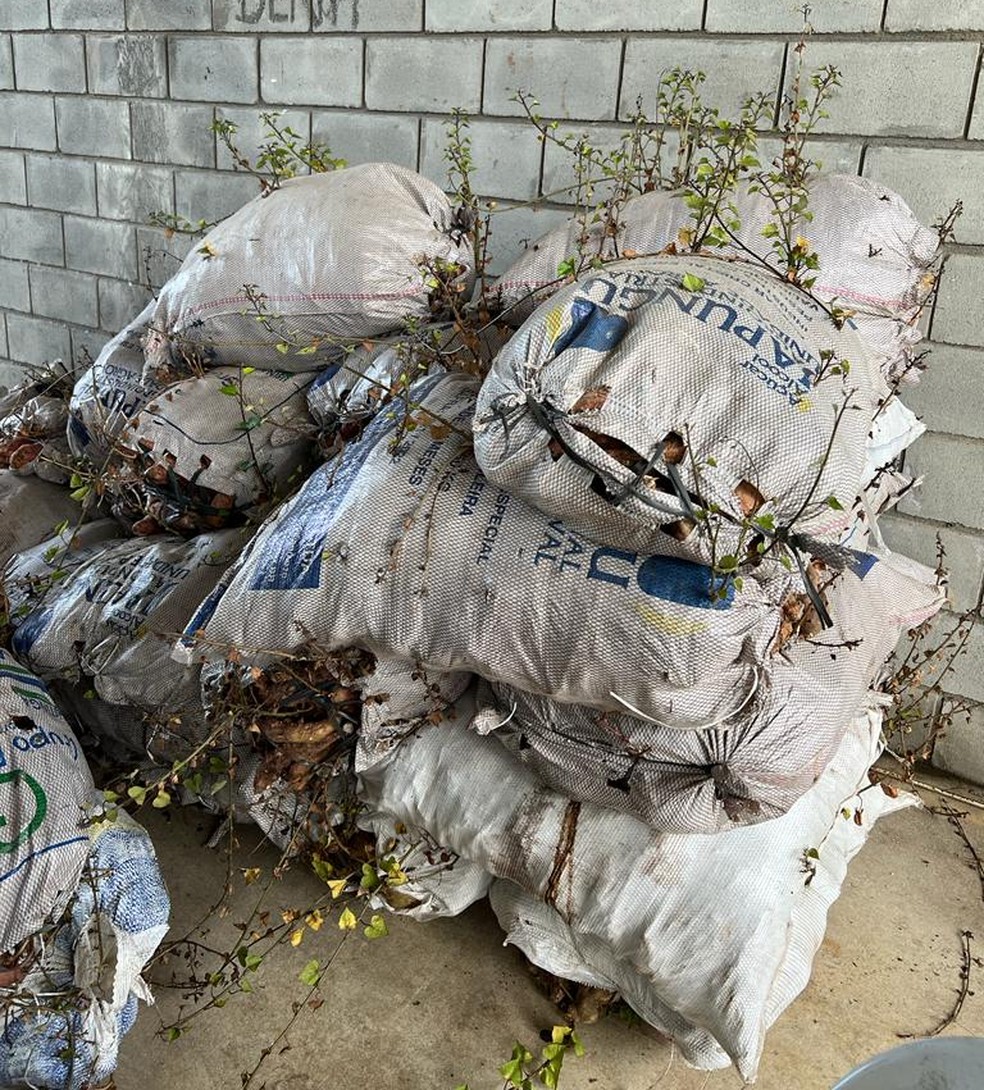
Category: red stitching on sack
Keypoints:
(310, 296)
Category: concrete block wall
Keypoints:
(106, 107)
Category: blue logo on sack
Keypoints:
(30, 631)
(591, 327)
(291, 557)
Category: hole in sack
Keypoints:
(679, 530)
(591, 400)
(749, 497)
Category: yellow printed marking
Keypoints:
(554, 320)
(672, 626)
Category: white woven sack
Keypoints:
(875, 256)
(33, 442)
(729, 373)
(30, 576)
(628, 908)
(30, 512)
(396, 697)
(351, 390)
(116, 616)
(243, 435)
(113, 925)
(45, 791)
(336, 256)
(438, 881)
(403, 548)
(42, 416)
(894, 429)
(765, 759)
(111, 391)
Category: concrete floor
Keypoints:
(438, 1004)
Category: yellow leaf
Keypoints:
(250, 874)
(314, 920)
(347, 921)
(296, 936)
(337, 887)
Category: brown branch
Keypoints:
(962, 992)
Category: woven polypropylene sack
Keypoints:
(45, 791)
(756, 766)
(30, 576)
(438, 881)
(114, 618)
(242, 435)
(32, 439)
(110, 391)
(396, 697)
(708, 938)
(336, 257)
(727, 372)
(107, 934)
(875, 255)
(31, 510)
(403, 548)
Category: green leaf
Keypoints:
(376, 928)
(727, 563)
(770, 230)
(835, 503)
(138, 794)
(812, 853)
(370, 879)
(513, 1069)
(79, 494)
(309, 350)
(283, 348)
(229, 388)
(311, 973)
(322, 868)
(173, 1033)
(161, 800)
(692, 283)
(765, 522)
(252, 962)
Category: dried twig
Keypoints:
(966, 960)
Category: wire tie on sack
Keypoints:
(682, 494)
(630, 486)
(607, 480)
(704, 726)
(795, 544)
(509, 717)
(545, 415)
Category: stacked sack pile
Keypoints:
(599, 633)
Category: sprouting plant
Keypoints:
(523, 1070)
(283, 154)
